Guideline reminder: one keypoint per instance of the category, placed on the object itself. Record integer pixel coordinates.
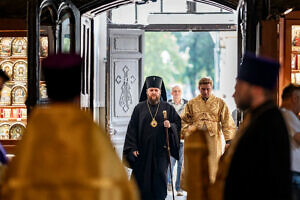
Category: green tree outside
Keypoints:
(179, 57)
(163, 58)
(200, 48)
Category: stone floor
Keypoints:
(169, 197)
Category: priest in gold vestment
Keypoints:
(63, 154)
(209, 112)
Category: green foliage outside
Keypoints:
(179, 57)
(162, 58)
(200, 48)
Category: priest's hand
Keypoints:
(135, 153)
(167, 124)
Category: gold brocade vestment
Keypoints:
(213, 115)
(64, 155)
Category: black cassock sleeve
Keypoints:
(130, 144)
(174, 132)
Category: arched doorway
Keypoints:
(119, 38)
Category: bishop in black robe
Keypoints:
(149, 168)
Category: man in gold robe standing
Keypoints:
(209, 112)
(63, 154)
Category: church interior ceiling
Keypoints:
(17, 8)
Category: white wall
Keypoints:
(228, 66)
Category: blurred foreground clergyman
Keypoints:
(64, 154)
(257, 163)
(196, 175)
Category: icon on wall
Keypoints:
(5, 46)
(7, 66)
(18, 95)
(4, 131)
(5, 96)
(19, 46)
(16, 131)
(296, 38)
(43, 91)
(44, 46)
(20, 71)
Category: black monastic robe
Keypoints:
(150, 167)
(260, 166)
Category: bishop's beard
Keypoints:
(154, 101)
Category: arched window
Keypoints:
(48, 18)
(66, 32)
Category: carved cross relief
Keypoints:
(126, 97)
